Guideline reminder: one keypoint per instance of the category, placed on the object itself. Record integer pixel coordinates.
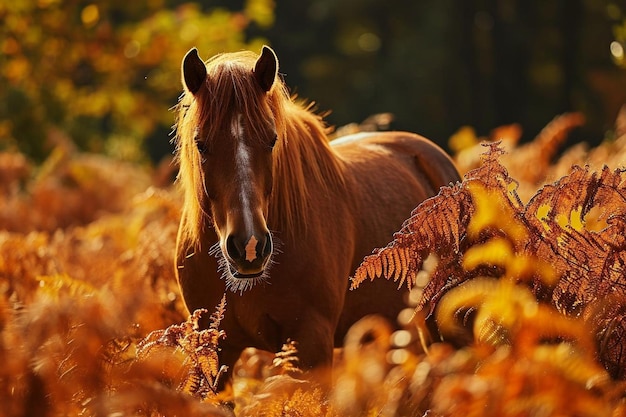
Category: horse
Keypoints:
(276, 217)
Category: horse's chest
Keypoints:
(254, 323)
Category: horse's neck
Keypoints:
(312, 148)
(307, 170)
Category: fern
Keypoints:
(606, 317)
(481, 228)
(591, 263)
(286, 361)
(542, 150)
(53, 285)
(201, 370)
(531, 297)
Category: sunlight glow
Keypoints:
(401, 338)
(90, 15)
(369, 42)
(617, 50)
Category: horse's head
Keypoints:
(234, 137)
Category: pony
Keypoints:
(276, 217)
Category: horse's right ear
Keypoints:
(266, 68)
(194, 71)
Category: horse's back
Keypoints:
(391, 173)
(428, 157)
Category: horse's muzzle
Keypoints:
(248, 256)
(238, 275)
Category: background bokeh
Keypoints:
(103, 74)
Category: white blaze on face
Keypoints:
(251, 249)
(244, 170)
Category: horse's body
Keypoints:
(328, 203)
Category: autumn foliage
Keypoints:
(517, 304)
(103, 74)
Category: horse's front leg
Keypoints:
(315, 342)
(227, 356)
(198, 280)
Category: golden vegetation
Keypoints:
(517, 305)
(105, 72)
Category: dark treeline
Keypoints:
(440, 64)
(103, 74)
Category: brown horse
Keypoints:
(257, 168)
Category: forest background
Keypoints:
(104, 74)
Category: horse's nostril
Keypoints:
(235, 250)
(267, 247)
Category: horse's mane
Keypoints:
(304, 163)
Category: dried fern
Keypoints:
(607, 319)
(201, 370)
(567, 244)
(532, 295)
(286, 361)
(591, 263)
(542, 150)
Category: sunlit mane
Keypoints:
(303, 161)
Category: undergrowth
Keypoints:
(517, 304)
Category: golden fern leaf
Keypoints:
(435, 226)
(452, 306)
(199, 347)
(591, 263)
(191, 383)
(286, 361)
(554, 134)
(531, 161)
(607, 318)
(287, 397)
(54, 285)
(218, 314)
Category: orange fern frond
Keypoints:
(54, 285)
(286, 361)
(218, 315)
(531, 162)
(547, 142)
(607, 319)
(201, 370)
(567, 245)
(590, 262)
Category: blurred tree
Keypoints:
(105, 73)
(440, 64)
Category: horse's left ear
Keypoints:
(194, 71)
(266, 68)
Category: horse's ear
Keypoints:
(194, 71)
(266, 68)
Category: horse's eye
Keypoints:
(202, 146)
(273, 141)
